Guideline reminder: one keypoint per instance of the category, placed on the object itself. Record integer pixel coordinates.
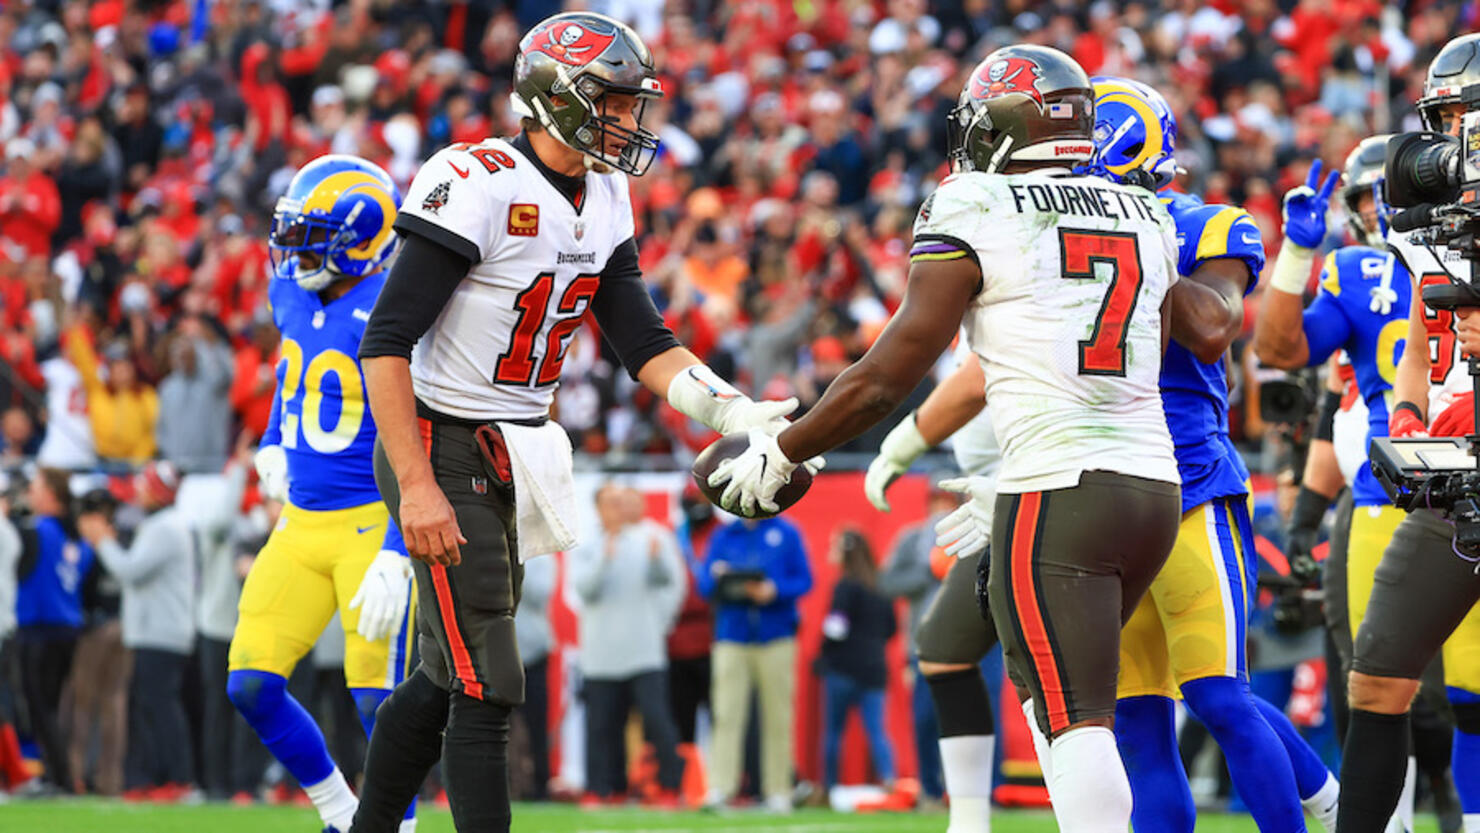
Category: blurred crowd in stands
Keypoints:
(145, 142)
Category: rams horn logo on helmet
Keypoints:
(1009, 75)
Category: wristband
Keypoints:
(1309, 509)
(1330, 404)
(699, 392)
(904, 444)
(1291, 270)
(1409, 407)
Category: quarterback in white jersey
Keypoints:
(1060, 281)
(509, 245)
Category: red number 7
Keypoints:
(1103, 353)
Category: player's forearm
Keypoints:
(953, 403)
(1412, 381)
(1279, 332)
(393, 404)
(657, 373)
(856, 401)
(1322, 473)
(1208, 308)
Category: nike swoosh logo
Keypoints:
(361, 530)
(459, 171)
(1250, 241)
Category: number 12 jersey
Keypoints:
(496, 350)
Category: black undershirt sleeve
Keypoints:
(420, 284)
(629, 321)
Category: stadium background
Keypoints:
(145, 143)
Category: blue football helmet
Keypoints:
(1134, 129)
(334, 221)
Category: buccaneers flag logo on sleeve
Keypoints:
(1009, 75)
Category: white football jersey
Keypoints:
(1067, 324)
(496, 349)
(1349, 430)
(1449, 374)
(68, 443)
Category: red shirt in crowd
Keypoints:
(252, 387)
(30, 211)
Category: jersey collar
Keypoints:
(573, 188)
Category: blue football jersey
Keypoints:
(1353, 310)
(320, 413)
(1195, 394)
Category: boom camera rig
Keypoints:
(1435, 180)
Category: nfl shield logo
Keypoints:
(480, 485)
(580, 229)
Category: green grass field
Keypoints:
(86, 816)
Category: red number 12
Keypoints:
(516, 366)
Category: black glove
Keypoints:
(1302, 534)
(983, 572)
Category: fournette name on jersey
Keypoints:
(1079, 290)
(320, 417)
(497, 348)
(1195, 393)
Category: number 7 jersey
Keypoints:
(496, 349)
(1067, 323)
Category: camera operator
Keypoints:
(1422, 591)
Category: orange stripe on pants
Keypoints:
(462, 661)
(1030, 618)
(424, 426)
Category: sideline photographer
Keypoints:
(1424, 586)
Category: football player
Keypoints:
(509, 244)
(955, 632)
(1061, 280)
(1423, 594)
(1361, 308)
(335, 546)
(1166, 646)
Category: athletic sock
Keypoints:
(405, 745)
(367, 703)
(1257, 760)
(1090, 790)
(1146, 734)
(1040, 744)
(1322, 805)
(334, 800)
(1372, 769)
(1465, 769)
(963, 710)
(286, 728)
(1311, 774)
(476, 755)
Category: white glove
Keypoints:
(754, 477)
(967, 530)
(384, 592)
(272, 471)
(900, 448)
(700, 393)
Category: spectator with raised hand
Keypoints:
(194, 423)
(30, 207)
(756, 572)
(122, 407)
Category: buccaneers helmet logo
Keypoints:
(571, 43)
(1009, 75)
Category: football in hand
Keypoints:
(731, 446)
